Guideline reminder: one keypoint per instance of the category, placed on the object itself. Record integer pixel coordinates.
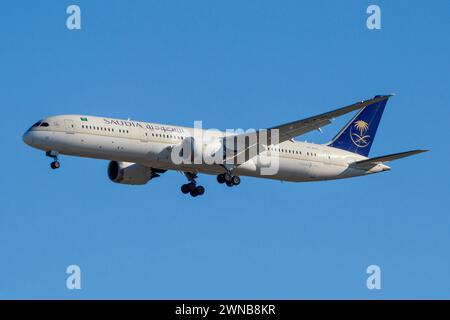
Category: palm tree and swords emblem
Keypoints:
(360, 138)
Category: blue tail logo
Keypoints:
(360, 138)
(358, 134)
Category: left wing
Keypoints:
(290, 130)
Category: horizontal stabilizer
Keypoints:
(390, 157)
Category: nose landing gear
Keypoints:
(54, 155)
(55, 165)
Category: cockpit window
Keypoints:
(36, 124)
(44, 124)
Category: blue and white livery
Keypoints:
(141, 151)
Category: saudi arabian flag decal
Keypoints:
(83, 119)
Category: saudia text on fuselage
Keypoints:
(134, 124)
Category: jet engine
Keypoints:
(129, 173)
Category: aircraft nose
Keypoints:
(28, 138)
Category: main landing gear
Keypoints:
(228, 179)
(192, 188)
(54, 155)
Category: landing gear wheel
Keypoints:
(54, 155)
(221, 178)
(236, 180)
(55, 165)
(229, 183)
(191, 186)
(185, 189)
(199, 190)
(228, 177)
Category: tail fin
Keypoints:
(357, 136)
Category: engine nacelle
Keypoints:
(129, 173)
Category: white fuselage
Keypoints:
(149, 144)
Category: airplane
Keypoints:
(140, 151)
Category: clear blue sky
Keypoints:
(232, 64)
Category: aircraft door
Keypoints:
(69, 126)
(144, 135)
